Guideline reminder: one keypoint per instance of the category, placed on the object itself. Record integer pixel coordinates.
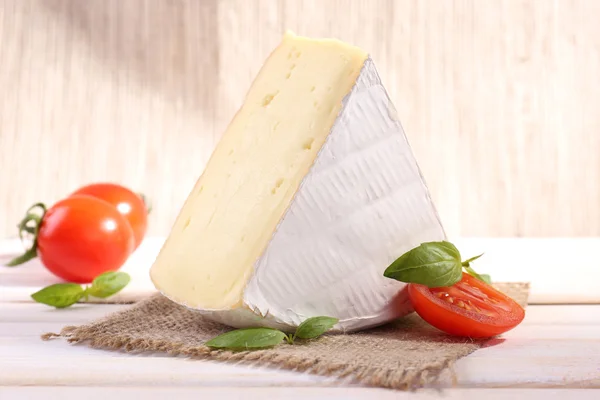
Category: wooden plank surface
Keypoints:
(152, 393)
(296, 393)
(542, 262)
(556, 346)
(554, 352)
(498, 98)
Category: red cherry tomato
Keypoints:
(82, 237)
(470, 308)
(130, 204)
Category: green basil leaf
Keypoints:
(108, 283)
(470, 260)
(60, 295)
(315, 327)
(483, 277)
(247, 339)
(433, 264)
(449, 247)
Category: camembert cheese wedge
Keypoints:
(311, 193)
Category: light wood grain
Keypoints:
(541, 262)
(193, 393)
(500, 99)
(555, 346)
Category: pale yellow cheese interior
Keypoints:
(254, 172)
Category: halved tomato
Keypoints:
(470, 308)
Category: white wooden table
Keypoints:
(554, 353)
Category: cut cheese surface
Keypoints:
(310, 194)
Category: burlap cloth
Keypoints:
(405, 354)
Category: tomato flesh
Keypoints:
(128, 203)
(470, 308)
(82, 237)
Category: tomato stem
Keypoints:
(31, 225)
(28, 229)
(23, 258)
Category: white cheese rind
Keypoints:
(362, 205)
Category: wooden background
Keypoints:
(499, 98)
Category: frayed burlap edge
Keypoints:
(427, 375)
(376, 377)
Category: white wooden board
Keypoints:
(556, 346)
(195, 393)
(554, 353)
(295, 393)
(559, 270)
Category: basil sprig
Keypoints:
(314, 327)
(260, 338)
(107, 284)
(482, 277)
(247, 339)
(433, 264)
(62, 295)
